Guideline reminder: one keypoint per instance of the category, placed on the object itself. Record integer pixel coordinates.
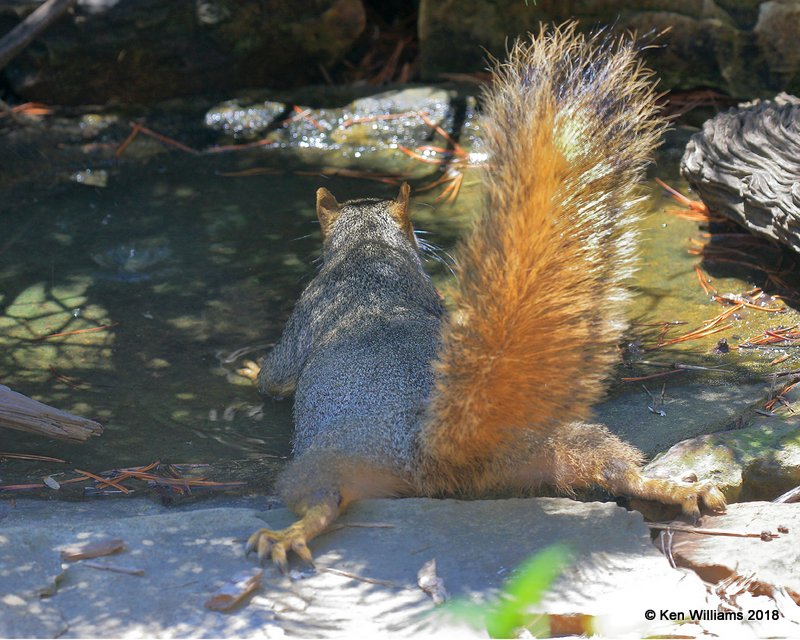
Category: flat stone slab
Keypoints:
(366, 579)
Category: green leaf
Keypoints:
(510, 611)
(525, 589)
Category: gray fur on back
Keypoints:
(360, 342)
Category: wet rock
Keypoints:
(145, 50)
(743, 47)
(391, 117)
(241, 119)
(758, 462)
(767, 565)
(745, 164)
(373, 128)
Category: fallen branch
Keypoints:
(25, 414)
(353, 576)
(15, 41)
(678, 365)
(29, 456)
(102, 566)
(764, 535)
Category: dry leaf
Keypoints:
(235, 590)
(430, 583)
(93, 549)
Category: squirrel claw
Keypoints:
(275, 545)
(706, 493)
(712, 497)
(250, 370)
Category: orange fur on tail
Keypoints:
(570, 124)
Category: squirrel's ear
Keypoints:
(401, 213)
(327, 210)
(402, 197)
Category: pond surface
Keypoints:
(161, 285)
(164, 282)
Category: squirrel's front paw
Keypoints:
(249, 370)
(276, 544)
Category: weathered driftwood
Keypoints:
(745, 164)
(21, 412)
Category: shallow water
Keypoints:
(183, 273)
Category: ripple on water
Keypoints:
(131, 260)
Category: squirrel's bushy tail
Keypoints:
(570, 125)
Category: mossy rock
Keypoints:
(757, 462)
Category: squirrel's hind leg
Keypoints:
(318, 486)
(579, 455)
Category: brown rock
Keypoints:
(768, 563)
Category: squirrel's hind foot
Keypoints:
(690, 496)
(249, 369)
(699, 493)
(276, 545)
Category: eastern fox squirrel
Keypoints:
(394, 397)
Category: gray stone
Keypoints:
(27, 576)
(366, 580)
(745, 164)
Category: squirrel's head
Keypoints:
(367, 211)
